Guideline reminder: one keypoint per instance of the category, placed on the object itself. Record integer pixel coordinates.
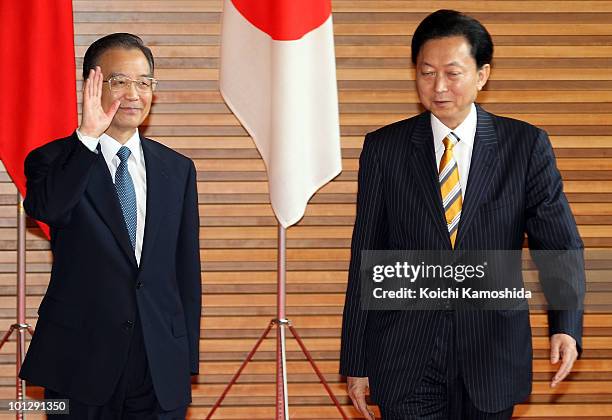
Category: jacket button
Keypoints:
(139, 285)
(128, 325)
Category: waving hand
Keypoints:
(95, 120)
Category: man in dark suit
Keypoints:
(455, 178)
(119, 326)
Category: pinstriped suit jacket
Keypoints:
(514, 188)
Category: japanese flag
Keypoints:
(278, 77)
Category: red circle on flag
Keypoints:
(285, 20)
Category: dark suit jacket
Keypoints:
(97, 291)
(513, 188)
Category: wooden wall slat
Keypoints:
(386, 6)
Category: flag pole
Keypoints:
(282, 406)
(21, 298)
(281, 322)
(20, 327)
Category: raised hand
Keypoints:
(95, 120)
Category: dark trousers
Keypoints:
(133, 398)
(441, 395)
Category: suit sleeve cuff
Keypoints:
(567, 322)
(357, 370)
(90, 142)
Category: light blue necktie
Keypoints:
(126, 193)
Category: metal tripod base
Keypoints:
(19, 328)
(281, 400)
(20, 384)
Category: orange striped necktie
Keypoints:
(450, 187)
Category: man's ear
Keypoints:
(483, 75)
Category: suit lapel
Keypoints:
(159, 187)
(424, 165)
(102, 194)
(482, 167)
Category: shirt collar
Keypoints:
(466, 131)
(110, 146)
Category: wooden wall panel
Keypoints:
(553, 67)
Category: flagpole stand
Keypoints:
(282, 405)
(21, 327)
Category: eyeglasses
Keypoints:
(123, 83)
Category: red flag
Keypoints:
(37, 79)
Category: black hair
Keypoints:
(446, 23)
(117, 40)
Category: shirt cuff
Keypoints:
(90, 142)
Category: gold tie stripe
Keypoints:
(450, 187)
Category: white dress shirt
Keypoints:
(136, 168)
(462, 152)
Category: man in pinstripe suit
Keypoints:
(454, 364)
